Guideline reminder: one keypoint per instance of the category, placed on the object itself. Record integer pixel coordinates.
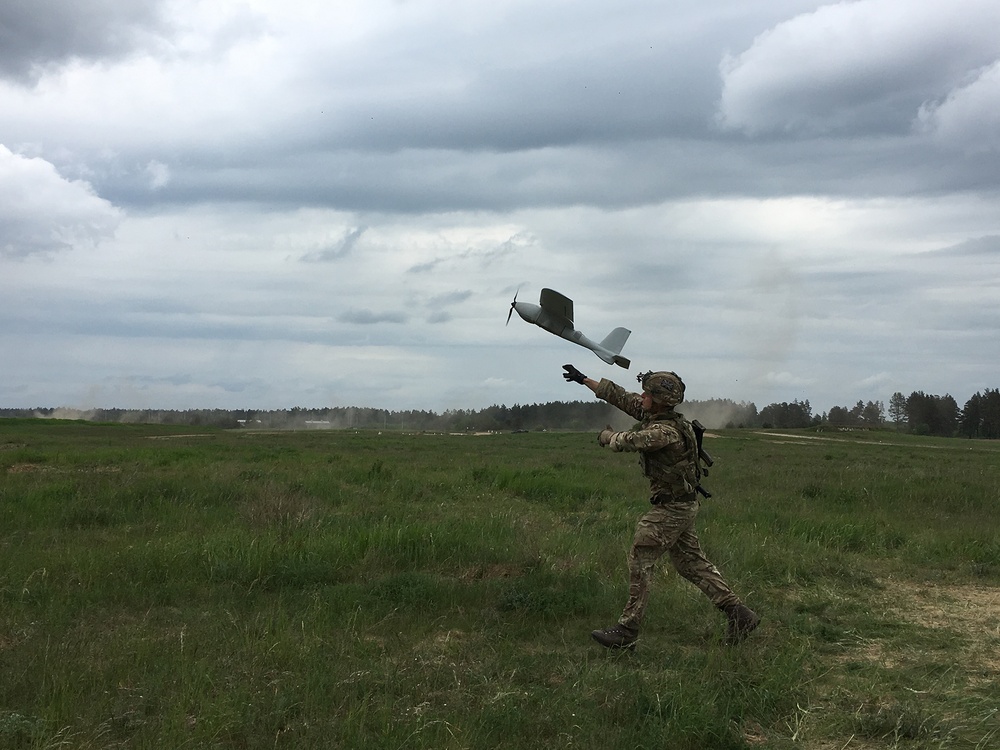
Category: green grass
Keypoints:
(185, 587)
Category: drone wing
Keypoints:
(557, 305)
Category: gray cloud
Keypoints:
(438, 304)
(338, 249)
(621, 120)
(482, 257)
(782, 199)
(439, 316)
(38, 34)
(449, 298)
(987, 248)
(367, 317)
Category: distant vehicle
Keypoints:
(554, 313)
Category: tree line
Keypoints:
(919, 413)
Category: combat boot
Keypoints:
(742, 622)
(617, 636)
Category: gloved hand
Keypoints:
(604, 438)
(573, 375)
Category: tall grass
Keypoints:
(178, 587)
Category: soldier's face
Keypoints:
(647, 402)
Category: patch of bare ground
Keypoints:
(796, 437)
(27, 468)
(963, 618)
(967, 614)
(42, 468)
(175, 437)
(792, 439)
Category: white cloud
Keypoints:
(969, 118)
(41, 212)
(158, 174)
(856, 66)
(877, 380)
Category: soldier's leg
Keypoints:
(652, 538)
(690, 561)
(656, 532)
(641, 563)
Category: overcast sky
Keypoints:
(262, 204)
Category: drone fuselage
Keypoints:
(555, 315)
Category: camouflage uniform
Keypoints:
(668, 454)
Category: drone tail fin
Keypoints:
(613, 343)
(615, 340)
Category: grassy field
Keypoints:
(179, 588)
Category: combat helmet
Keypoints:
(665, 387)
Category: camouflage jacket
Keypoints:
(665, 442)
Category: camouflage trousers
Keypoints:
(669, 528)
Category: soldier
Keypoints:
(669, 456)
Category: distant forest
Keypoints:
(918, 413)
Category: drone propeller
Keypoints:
(511, 311)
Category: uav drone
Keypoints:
(554, 313)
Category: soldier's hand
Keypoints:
(573, 375)
(604, 438)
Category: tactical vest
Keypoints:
(673, 469)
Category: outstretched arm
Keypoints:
(573, 375)
(630, 403)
